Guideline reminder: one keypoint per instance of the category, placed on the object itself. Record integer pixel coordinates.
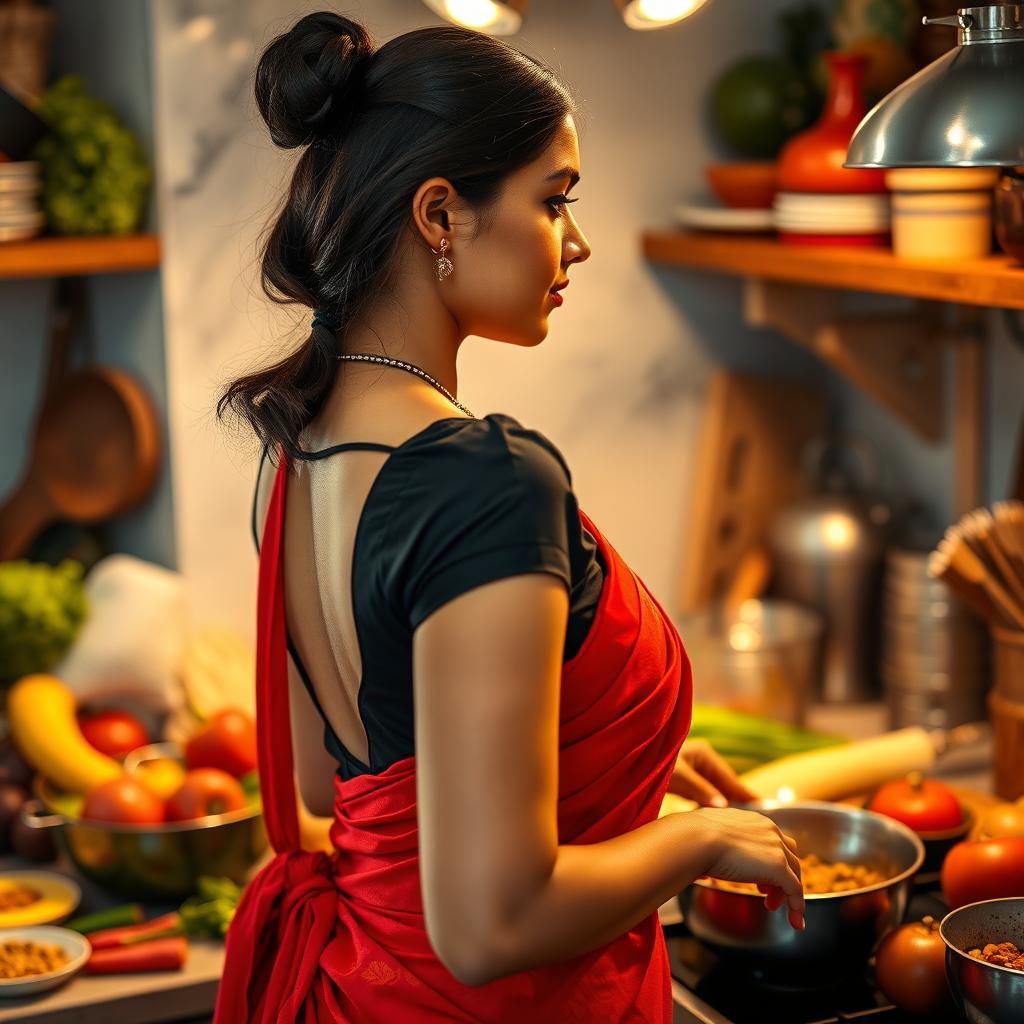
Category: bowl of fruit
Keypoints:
(147, 823)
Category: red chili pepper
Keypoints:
(158, 955)
(168, 924)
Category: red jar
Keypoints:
(813, 160)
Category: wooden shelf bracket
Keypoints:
(897, 358)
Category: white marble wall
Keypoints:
(615, 385)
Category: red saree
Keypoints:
(321, 938)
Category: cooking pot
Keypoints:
(150, 862)
(842, 928)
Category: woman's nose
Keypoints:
(577, 249)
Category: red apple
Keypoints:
(205, 791)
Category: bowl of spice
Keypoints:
(38, 958)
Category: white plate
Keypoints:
(21, 218)
(828, 229)
(723, 218)
(854, 223)
(825, 213)
(832, 200)
(77, 947)
(15, 168)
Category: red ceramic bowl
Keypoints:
(748, 186)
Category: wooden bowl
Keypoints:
(744, 185)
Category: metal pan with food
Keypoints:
(867, 861)
(980, 968)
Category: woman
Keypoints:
(498, 855)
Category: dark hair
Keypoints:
(443, 101)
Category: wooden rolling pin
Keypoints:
(854, 767)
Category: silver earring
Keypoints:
(444, 265)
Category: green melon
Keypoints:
(759, 103)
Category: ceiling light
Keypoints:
(962, 110)
(651, 14)
(495, 17)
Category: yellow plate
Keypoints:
(60, 896)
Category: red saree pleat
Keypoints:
(321, 938)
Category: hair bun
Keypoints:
(307, 78)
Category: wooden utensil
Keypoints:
(749, 467)
(750, 579)
(976, 559)
(96, 454)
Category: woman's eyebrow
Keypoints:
(565, 172)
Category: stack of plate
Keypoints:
(813, 218)
(20, 216)
(935, 664)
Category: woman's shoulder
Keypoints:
(497, 443)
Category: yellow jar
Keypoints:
(942, 213)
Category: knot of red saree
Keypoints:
(293, 899)
(320, 938)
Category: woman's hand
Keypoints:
(704, 776)
(749, 847)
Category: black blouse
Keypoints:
(459, 504)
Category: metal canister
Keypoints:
(935, 665)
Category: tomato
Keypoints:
(122, 800)
(112, 732)
(1001, 820)
(925, 805)
(983, 869)
(205, 791)
(910, 967)
(227, 742)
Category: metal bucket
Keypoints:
(764, 659)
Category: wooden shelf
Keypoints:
(994, 281)
(50, 256)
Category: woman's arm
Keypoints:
(500, 894)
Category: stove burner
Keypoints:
(708, 990)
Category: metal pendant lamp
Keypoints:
(495, 17)
(965, 109)
(654, 14)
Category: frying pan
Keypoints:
(96, 454)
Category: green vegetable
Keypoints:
(96, 176)
(112, 917)
(747, 741)
(208, 914)
(41, 610)
(210, 911)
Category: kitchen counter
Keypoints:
(190, 994)
(156, 996)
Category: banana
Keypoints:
(41, 712)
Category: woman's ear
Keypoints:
(435, 211)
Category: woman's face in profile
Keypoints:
(501, 287)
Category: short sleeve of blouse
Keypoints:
(488, 500)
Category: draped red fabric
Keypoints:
(342, 937)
